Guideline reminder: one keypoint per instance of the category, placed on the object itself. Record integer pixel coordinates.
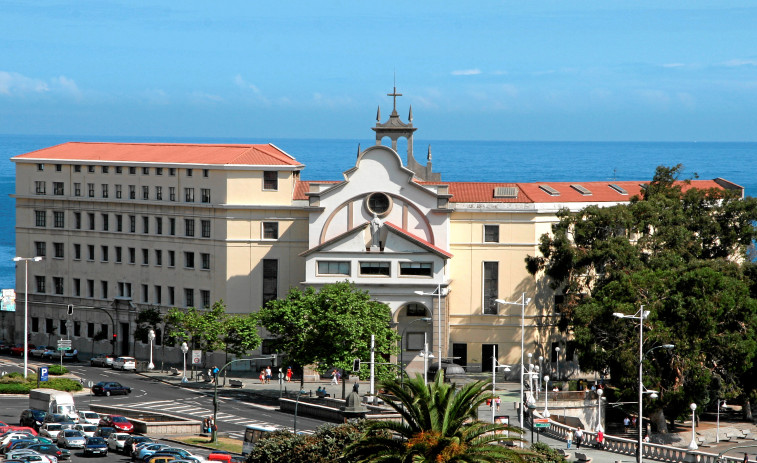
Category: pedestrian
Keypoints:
(600, 439)
(334, 378)
(268, 374)
(215, 374)
(205, 425)
(262, 376)
(633, 422)
(569, 438)
(289, 375)
(578, 437)
(497, 402)
(746, 457)
(626, 422)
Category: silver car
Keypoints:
(116, 441)
(71, 439)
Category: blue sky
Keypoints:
(493, 70)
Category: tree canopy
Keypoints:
(331, 327)
(681, 253)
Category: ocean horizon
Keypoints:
(456, 160)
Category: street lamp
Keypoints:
(26, 260)
(557, 356)
(693, 445)
(438, 294)
(184, 350)
(599, 409)
(151, 338)
(546, 396)
(541, 368)
(522, 304)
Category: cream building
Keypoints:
(123, 227)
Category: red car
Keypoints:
(117, 421)
(18, 349)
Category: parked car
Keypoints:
(37, 351)
(117, 440)
(102, 361)
(30, 455)
(50, 353)
(5, 346)
(120, 423)
(32, 418)
(9, 436)
(125, 363)
(104, 431)
(51, 430)
(26, 429)
(71, 439)
(95, 446)
(18, 349)
(89, 417)
(177, 453)
(110, 388)
(149, 449)
(51, 449)
(132, 441)
(55, 418)
(87, 429)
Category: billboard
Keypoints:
(8, 301)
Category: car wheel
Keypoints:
(107, 393)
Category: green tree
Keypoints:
(331, 327)
(203, 329)
(241, 334)
(440, 425)
(147, 319)
(677, 251)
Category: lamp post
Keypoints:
(26, 260)
(557, 369)
(530, 376)
(184, 350)
(438, 294)
(151, 338)
(599, 409)
(522, 304)
(546, 396)
(541, 368)
(693, 445)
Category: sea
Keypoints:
(456, 160)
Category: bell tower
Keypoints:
(395, 129)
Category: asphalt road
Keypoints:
(234, 411)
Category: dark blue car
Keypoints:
(96, 446)
(110, 388)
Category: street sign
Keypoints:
(541, 422)
(196, 357)
(64, 344)
(43, 373)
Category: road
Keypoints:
(234, 411)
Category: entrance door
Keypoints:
(460, 354)
(487, 352)
(125, 341)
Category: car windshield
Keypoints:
(95, 440)
(54, 427)
(38, 414)
(44, 447)
(119, 419)
(88, 427)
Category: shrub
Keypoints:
(57, 370)
(10, 384)
(63, 384)
(543, 453)
(15, 388)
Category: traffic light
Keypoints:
(113, 341)
(70, 309)
(356, 365)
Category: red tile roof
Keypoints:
(418, 240)
(164, 153)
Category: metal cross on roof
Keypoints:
(394, 95)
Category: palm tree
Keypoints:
(440, 425)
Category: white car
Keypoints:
(87, 429)
(117, 440)
(51, 430)
(125, 363)
(14, 435)
(38, 351)
(30, 455)
(88, 417)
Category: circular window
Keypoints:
(378, 203)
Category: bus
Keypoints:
(252, 434)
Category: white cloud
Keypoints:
(241, 83)
(202, 97)
(466, 72)
(740, 62)
(13, 83)
(67, 86)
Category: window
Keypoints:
(90, 330)
(132, 223)
(91, 169)
(491, 283)
(375, 268)
(40, 167)
(145, 224)
(172, 193)
(58, 250)
(104, 289)
(63, 327)
(58, 285)
(91, 190)
(189, 227)
(40, 218)
(91, 220)
(104, 253)
(132, 170)
(40, 187)
(77, 189)
(35, 324)
(119, 169)
(49, 327)
(145, 256)
(119, 223)
(145, 192)
(77, 287)
(171, 226)
(145, 171)
(189, 259)
(77, 168)
(59, 219)
(77, 220)
(118, 191)
(329, 267)
(416, 310)
(90, 252)
(158, 295)
(104, 190)
(77, 328)
(189, 195)
(189, 297)
(205, 226)
(132, 192)
(105, 221)
(104, 169)
(205, 193)
(491, 233)
(158, 257)
(205, 173)
(132, 256)
(58, 167)
(41, 248)
(145, 295)
(124, 290)
(205, 298)
(104, 329)
(205, 260)
(58, 188)
(270, 230)
(77, 251)
(189, 172)
(159, 193)
(171, 258)
(270, 180)
(172, 172)
(379, 204)
(270, 280)
(159, 225)
(40, 280)
(171, 298)
(118, 254)
(421, 269)
(158, 171)
(91, 288)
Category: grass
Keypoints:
(224, 443)
(14, 383)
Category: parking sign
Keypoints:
(196, 357)
(43, 373)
